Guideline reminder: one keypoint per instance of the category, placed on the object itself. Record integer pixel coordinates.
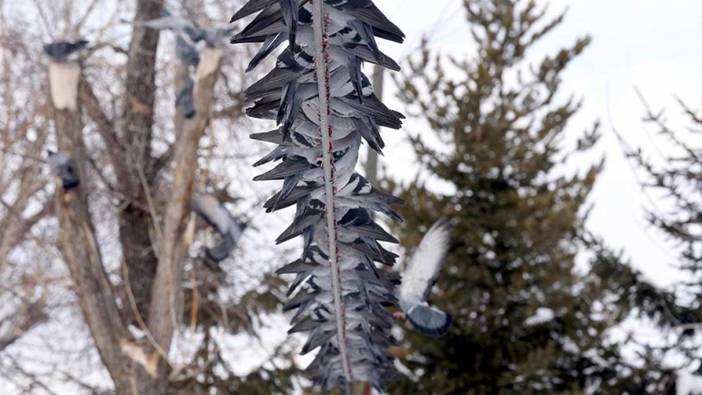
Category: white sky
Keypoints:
(650, 44)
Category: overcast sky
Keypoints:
(650, 44)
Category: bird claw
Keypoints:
(400, 315)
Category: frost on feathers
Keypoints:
(340, 299)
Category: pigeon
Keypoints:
(366, 12)
(184, 100)
(418, 278)
(362, 10)
(187, 53)
(214, 37)
(63, 167)
(215, 214)
(360, 193)
(62, 51)
(183, 28)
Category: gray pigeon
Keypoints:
(366, 12)
(214, 37)
(184, 99)
(418, 278)
(61, 51)
(183, 28)
(215, 214)
(187, 53)
(63, 167)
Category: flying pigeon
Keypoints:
(63, 167)
(418, 278)
(215, 214)
(216, 36)
(60, 51)
(184, 100)
(183, 28)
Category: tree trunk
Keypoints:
(137, 122)
(165, 309)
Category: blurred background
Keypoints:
(563, 137)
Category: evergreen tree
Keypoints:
(674, 175)
(524, 320)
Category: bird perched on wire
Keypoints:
(419, 277)
(215, 214)
(63, 51)
(63, 167)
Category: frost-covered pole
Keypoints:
(325, 108)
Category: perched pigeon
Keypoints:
(418, 278)
(184, 99)
(187, 53)
(63, 167)
(61, 51)
(215, 214)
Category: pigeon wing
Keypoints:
(424, 266)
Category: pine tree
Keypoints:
(673, 176)
(524, 320)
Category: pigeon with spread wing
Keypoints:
(419, 277)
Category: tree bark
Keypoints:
(136, 133)
(81, 251)
(165, 308)
(153, 259)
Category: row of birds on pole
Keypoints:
(353, 344)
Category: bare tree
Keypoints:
(24, 201)
(126, 234)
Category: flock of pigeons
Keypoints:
(356, 338)
(289, 95)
